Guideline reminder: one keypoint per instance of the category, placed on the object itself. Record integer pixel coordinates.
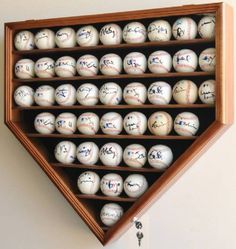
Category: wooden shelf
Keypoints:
(120, 76)
(56, 135)
(106, 198)
(102, 167)
(118, 46)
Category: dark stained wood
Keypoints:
(106, 198)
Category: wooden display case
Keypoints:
(214, 119)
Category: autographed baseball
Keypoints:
(111, 184)
(135, 123)
(24, 40)
(185, 92)
(207, 92)
(88, 183)
(186, 124)
(65, 66)
(111, 154)
(44, 123)
(66, 123)
(206, 27)
(185, 60)
(135, 93)
(134, 32)
(65, 38)
(45, 67)
(110, 64)
(65, 95)
(159, 93)
(87, 94)
(88, 123)
(87, 36)
(159, 30)
(135, 63)
(111, 213)
(45, 39)
(110, 34)
(160, 123)
(111, 123)
(88, 153)
(160, 157)
(110, 94)
(135, 185)
(207, 60)
(87, 65)
(160, 62)
(135, 155)
(65, 152)
(44, 95)
(24, 96)
(184, 28)
(24, 69)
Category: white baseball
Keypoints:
(134, 32)
(111, 213)
(184, 28)
(160, 123)
(88, 123)
(65, 152)
(44, 123)
(185, 92)
(160, 62)
(66, 123)
(135, 93)
(135, 155)
(135, 63)
(87, 94)
(207, 92)
(159, 30)
(87, 65)
(24, 69)
(24, 40)
(111, 154)
(110, 64)
(111, 123)
(110, 34)
(160, 157)
(65, 38)
(45, 39)
(186, 124)
(45, 67)
(65, 66)
(207, 60)
(87, 36)
(159, 93)
(24, 96)
(111, 184)
(206, 27)
(88, 183)
(135, 123)
(44, 95)
(88, 153)
(65, 95)
(135, 185)
(185, 60)
(110, 94)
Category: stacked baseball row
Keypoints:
(135, 123)
(185, 60)
(184, 28)
(110, 154)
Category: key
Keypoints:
(139, 236)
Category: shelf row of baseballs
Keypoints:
(159, 123)
(184, 60)
(184, 28)
(110, 93)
